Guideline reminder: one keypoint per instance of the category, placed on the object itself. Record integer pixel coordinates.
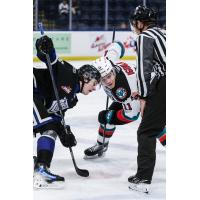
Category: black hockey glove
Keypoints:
(106, 116)
(67, 139)
(44, 45)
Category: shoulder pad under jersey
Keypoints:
(130, 73)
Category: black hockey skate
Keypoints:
(140, 185)
(98, 150)
(43, 178)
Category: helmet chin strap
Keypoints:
(82, 83)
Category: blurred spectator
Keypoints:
(75, 14)
(63, 8)
(75, 7)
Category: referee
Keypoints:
(151, 77)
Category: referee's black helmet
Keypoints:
(143, 14)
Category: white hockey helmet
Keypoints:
(103, 65)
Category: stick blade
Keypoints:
(82, 172)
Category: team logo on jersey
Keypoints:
(121, 93)
(55, 108)
(67, 89)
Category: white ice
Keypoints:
(108, 175)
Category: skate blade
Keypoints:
(134, 187)
(97, 156)
(53, 185)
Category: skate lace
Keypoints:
(140, 181)
(46, 170)
(98, 147)
(50, 172)
(95, 147)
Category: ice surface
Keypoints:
(108, 175)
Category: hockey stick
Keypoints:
(80, 172)
(107, 102)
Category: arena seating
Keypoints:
(92, 13)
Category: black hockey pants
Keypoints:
(153, 122)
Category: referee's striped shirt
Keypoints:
(151, 57)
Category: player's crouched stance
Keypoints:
(119, 82)
(46, 117)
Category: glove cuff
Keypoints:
(54, 61)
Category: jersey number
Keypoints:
(127, 106)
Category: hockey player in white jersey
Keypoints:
(119, 82)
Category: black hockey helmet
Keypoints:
(144, 14)
(88, 72)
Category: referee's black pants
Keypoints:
(153, 122)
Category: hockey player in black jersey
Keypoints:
(46, 118)
(119, 82)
